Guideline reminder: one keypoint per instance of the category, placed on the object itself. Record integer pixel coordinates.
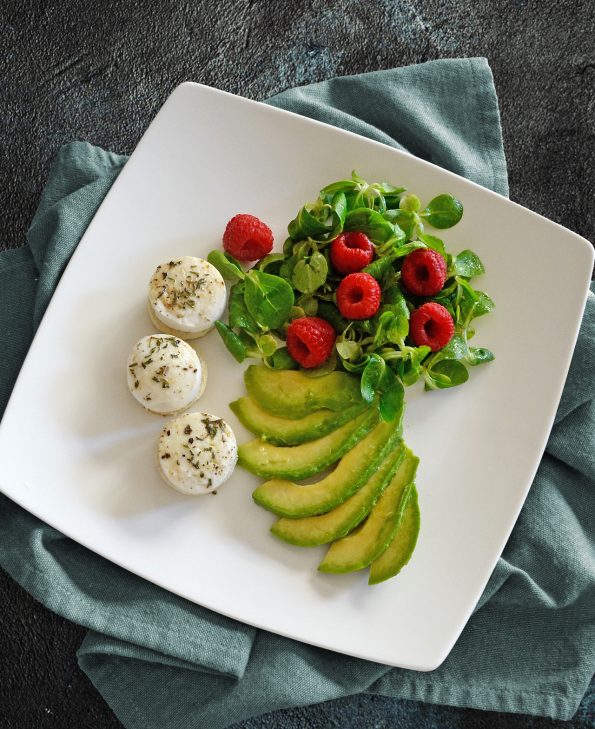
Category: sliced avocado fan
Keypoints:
(288, 432)
(307, 459)
(360, 548)
(292, 394)
(399, 551)
(324, 528)
(293, 500)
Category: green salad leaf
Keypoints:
(319, 220)
(312, 221)
(232, 341)
(479, 355)
(392, 399)
(329, 311)
(443, 211)
(433, 242)
(410, 203)
(467, 264)
(309, 273)
(239, 316)
(227, 265)
(268, 298)
(271, 263)
(374, 225)
(372, 377)
(380, 267)
(267, 345)
(281, 360)
(446, 373)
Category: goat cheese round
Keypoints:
(197, 452)
(186, 297)
(165, 375)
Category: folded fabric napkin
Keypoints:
(161, 661)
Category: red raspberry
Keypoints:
(423, 272)
(351, 252)
(358, 296)
(247, 238)
(310, 341)
(431, 325)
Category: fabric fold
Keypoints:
(67, 206)
(444, 111)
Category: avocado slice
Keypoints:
(307, 459)
(360, 548)
(399, 551)
(292, 394)
(353, 470)
(289, 432)
(324, 528)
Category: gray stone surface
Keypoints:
(99, 72)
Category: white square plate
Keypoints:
(207, 156)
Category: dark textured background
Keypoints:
(78, 70)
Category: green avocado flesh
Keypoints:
(286, 432)
(293, 500)
(360, 548)
(399, 551)
(292, 394)
(307, 459)
(313, 530)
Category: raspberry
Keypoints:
(431, 325)
(358, 296)
(247, 238)
(310, 341)
(350, 252)
(423, 272)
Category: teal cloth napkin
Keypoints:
(161, 661)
